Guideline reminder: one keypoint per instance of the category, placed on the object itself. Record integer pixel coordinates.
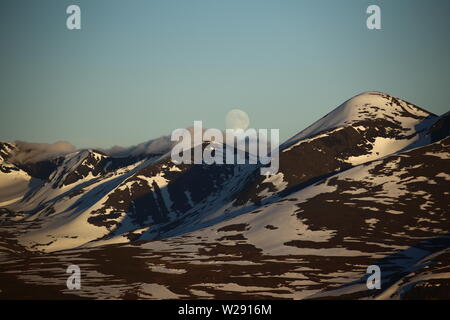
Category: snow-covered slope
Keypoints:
(366, 184)
(313, 243)
(14, 182)
(156, 195)
(369, 106)
(365, 128)
(124, 199)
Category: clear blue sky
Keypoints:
(139, 69)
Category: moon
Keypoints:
(237, 119)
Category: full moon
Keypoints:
(237, 119)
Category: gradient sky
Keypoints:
(139, 69)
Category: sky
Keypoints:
(139, 69)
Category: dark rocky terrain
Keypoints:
(368, 184)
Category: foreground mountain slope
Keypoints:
(312, 243)
(14, 181)
(122, 205)
(364, 128)
(153, 198)
(367, 184)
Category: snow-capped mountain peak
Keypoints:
(366, 106)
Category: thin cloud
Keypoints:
(34, 152)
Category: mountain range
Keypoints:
(367, 184)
